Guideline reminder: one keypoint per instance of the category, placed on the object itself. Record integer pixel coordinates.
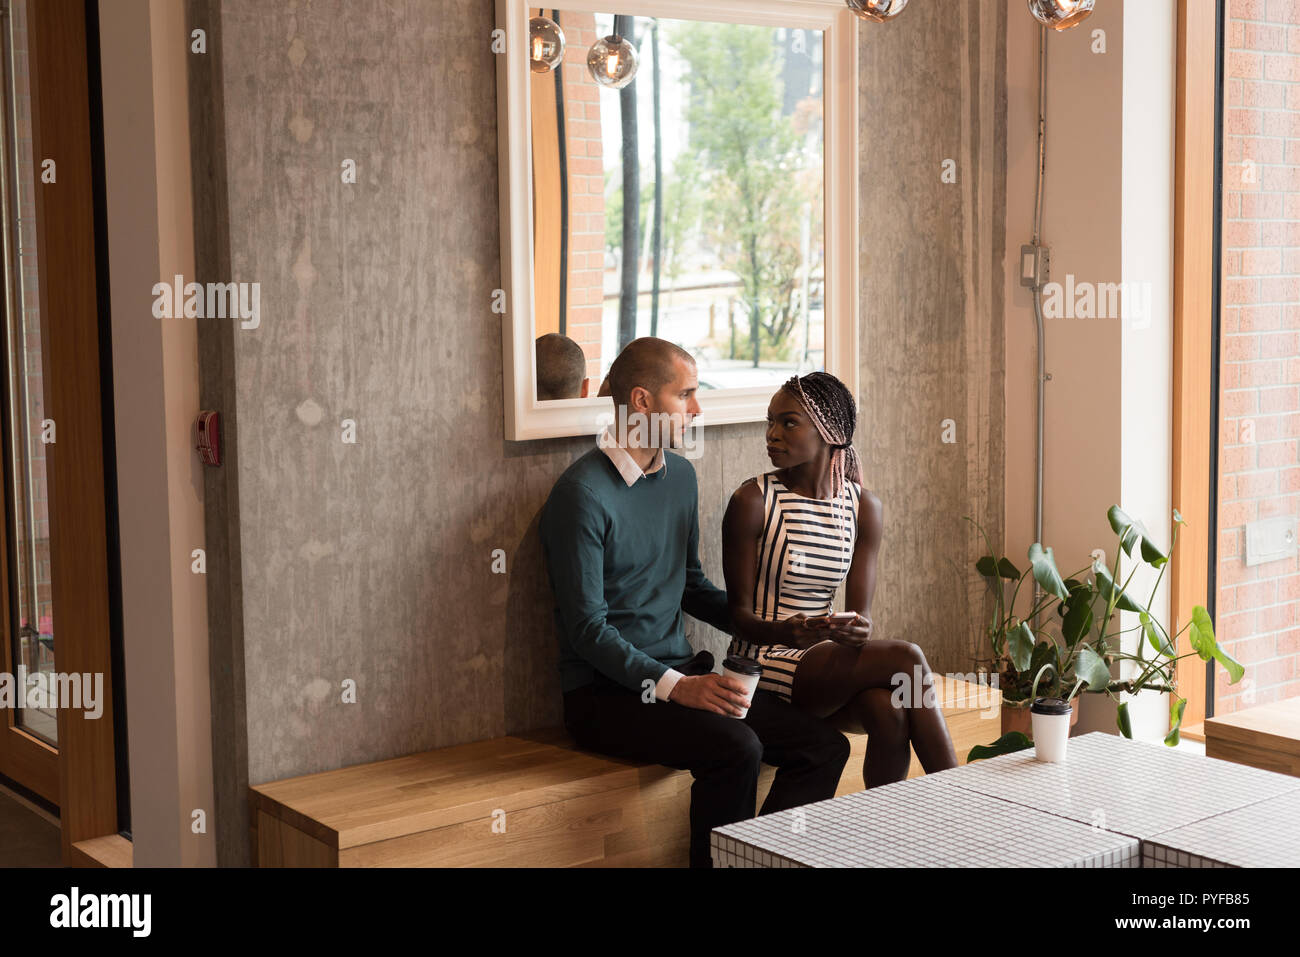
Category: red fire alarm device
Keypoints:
(208, 438)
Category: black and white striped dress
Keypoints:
(803, 556)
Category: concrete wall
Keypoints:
(372, 561)
(931, 432)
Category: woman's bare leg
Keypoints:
(889, 752)
(831, 675)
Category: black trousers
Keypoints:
(721, 752)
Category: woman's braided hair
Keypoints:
(831, 408)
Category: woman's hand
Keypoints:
(853, 634)
(799, 632)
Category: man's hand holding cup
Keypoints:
(721, 694)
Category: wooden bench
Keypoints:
(1267, 737)
(531, 800)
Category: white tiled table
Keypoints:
(1263, 834)
(922, 822)
(1114, 803)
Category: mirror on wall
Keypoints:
(717, 117)
(719, 137)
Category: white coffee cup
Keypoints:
(1051, 726)
(745, 670)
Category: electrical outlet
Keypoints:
(1035, 265)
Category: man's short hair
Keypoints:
(647, 362)
(561, 367)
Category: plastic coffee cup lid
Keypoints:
(1050, 706)
(742, 666)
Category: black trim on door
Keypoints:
(116, 640)
(1215, 288)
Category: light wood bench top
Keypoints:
(372, 802)
(111, 850)
(438, 806)
(1275, 726)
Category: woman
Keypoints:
(790, 537)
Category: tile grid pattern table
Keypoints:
(1071, 814)
(1263, 834)
(891, 826)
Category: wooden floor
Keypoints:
(521, 801)
(29, 836)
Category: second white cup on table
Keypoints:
(1051, 724)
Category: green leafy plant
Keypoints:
(1079, 656)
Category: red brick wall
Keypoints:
(1259, 398)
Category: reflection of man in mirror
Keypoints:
(561, 368)
(620, 534)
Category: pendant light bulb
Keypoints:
(1061, 14)
(545, 44)
(876, 11)
(612, 62)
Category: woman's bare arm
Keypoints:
(742, 526)
(860, 587)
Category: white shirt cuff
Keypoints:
(664, 687)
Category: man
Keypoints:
(620, 533)
(561, 368)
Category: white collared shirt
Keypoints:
(631, 472)
(623, 460)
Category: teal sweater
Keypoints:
(624, 564)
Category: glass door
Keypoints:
(29, 729)
(1256, 581)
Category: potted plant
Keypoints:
(1076, 657)
(1023, 653)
